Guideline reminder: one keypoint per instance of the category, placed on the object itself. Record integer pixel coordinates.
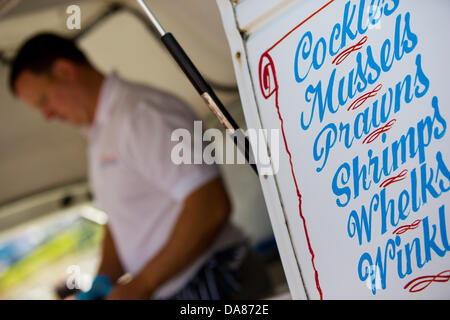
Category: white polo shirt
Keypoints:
(134, 180)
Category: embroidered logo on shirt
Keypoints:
(107, 160)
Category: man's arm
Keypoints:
(204, 213)
(110, 264)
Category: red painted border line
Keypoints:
(299, 25)
(316, 274)
(265, 71)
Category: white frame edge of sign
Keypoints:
(251, 14)
(268, 184)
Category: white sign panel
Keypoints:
(360, 93)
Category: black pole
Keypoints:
(202, 87)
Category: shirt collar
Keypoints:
(107, 97)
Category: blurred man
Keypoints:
(168, 224)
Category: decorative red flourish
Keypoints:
(400, 177)
(344, 54)
(374, 135)
(422, 283)
(361, 100)
(403, 229)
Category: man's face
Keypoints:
(57, 95)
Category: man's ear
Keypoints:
(64, 69)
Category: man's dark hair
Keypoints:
(38, 53)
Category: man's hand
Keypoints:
(101, 287)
